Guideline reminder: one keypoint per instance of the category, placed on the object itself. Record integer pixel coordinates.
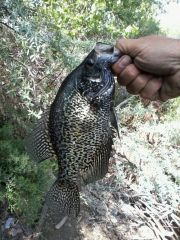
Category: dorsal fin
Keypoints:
(38, 144)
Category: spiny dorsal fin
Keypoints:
(38, 144)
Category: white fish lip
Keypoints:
(95, 79)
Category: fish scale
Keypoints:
(89, 123)
(78, 130)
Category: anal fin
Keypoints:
(98, 166)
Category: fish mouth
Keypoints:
(103, 85)
(108, 51)
(116, 55)
(109, 55)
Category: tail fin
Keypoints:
(62, 204)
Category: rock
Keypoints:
(9, 223)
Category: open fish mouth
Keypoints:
(98, 77)
(109, 54)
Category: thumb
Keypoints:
(128, 46)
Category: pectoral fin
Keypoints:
(113, 120)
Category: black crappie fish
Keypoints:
(78, 130)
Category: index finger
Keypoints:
(128, 46)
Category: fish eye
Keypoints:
(89, 63)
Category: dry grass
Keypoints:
(139, 198)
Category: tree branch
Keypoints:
(5, 24)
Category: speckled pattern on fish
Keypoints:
(78, 130)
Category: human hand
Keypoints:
(150, 67)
